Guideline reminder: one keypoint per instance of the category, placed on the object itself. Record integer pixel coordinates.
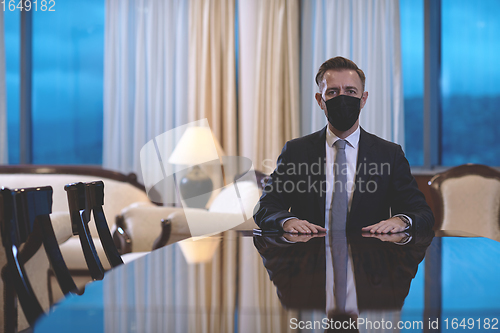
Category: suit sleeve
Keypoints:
(275, 202)
(406, 197)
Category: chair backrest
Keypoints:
(84, 199)
(25, 219)
(467, 198)
(121, 190)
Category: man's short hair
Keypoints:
(339, 63)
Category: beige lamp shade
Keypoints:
(196, 146)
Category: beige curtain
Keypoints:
(368, 33)
(145, 80)
(277, 78)
(212, 68)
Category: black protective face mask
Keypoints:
(343, 111)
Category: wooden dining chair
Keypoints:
(85, 199)
(467, 198)
(25, 219)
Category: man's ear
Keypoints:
(319, 99)
(364, 98)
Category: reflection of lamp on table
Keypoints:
(196, 146)
(199, 250)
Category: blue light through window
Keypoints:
(68, 56)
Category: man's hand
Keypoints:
(392, 225)
(393, 238)
(296, 226)
(301, 238)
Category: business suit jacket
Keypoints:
(384, 185)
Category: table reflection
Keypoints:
(379, 270)
(262, 284)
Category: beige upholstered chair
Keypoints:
(467, 198)
(139, 225)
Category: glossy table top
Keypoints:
(236, 282)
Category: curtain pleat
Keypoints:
(368, 33)
(212, 69)
(4, 157)
(145, 80)
(276, 93)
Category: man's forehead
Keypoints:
(342, 77)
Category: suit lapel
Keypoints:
(364, 157)
(317, 154)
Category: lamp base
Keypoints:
(196, 188)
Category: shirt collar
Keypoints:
(352, 140)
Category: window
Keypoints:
(12, 52)
(470, 81)
(67, 76)
(412, 53)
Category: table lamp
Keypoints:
(196, 146)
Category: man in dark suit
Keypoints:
(381, 195)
